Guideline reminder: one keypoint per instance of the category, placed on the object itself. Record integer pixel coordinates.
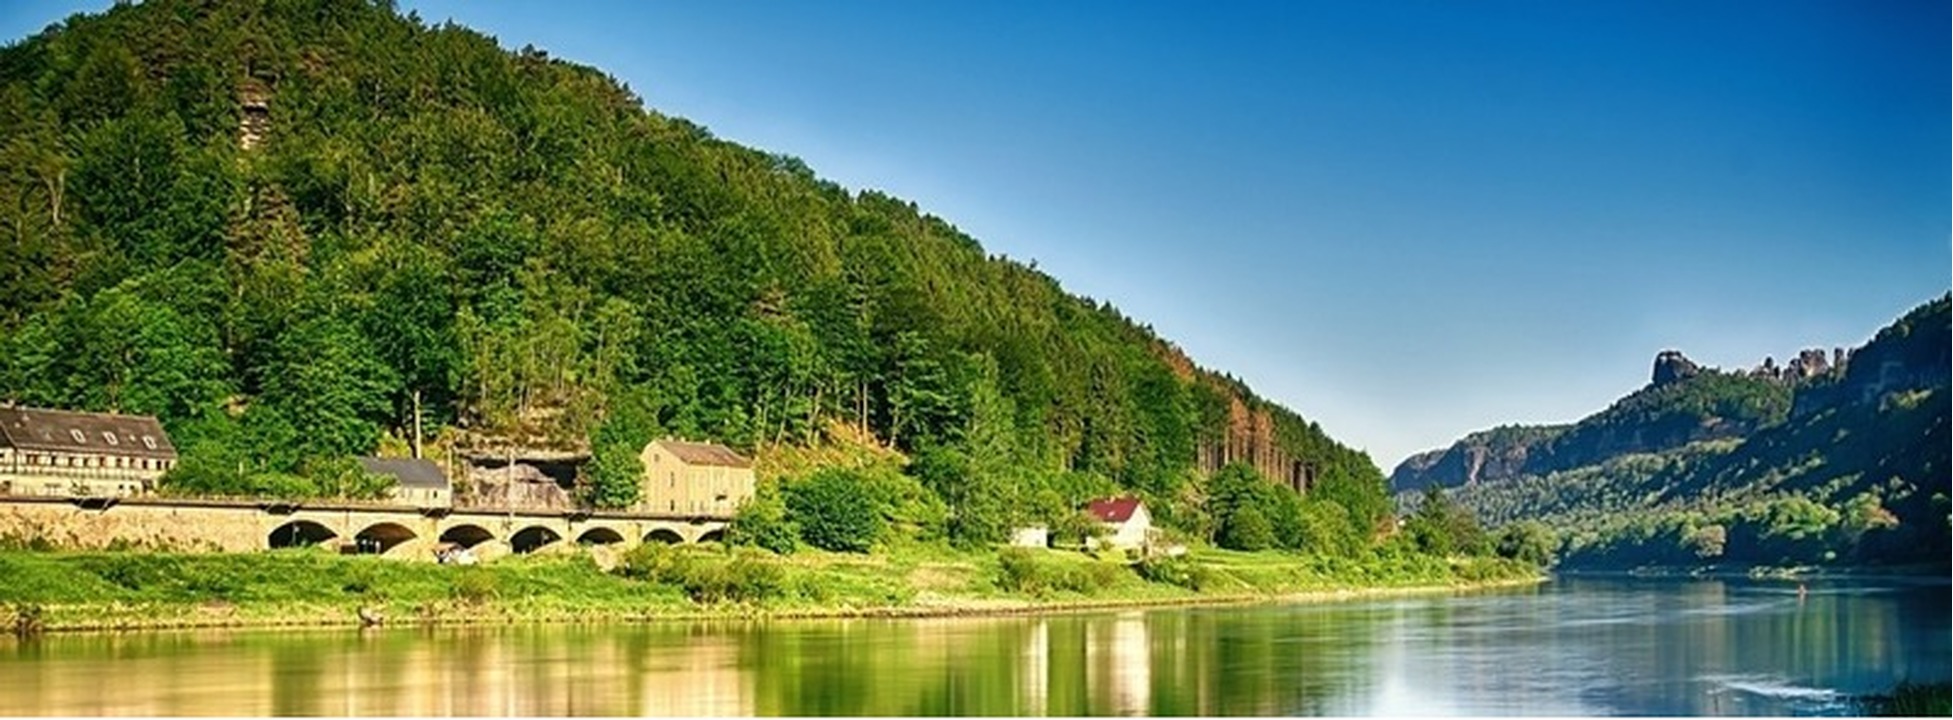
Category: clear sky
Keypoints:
(1406, 220)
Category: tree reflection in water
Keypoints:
(1574, 648)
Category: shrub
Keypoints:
(762, 522)
(746, 578)
(1022, 570)
(836, 511)
(1248, 529)
(475, 585)
(1174, 570)
(27, 621)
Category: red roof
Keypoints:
(1113, 510)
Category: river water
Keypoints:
(1570, 647)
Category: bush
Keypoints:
(762, 522)
(1174, 570)
(705, 579)
(1022, 570)
(475, 585)
(1248, 529)
(836, 511)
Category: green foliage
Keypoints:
(1247, 529)
(1528, 542)
(705, 579)
(1442, 527)
(1854, 475)
(1039, 573)
(441, 230)
(836, 509)
(762, 522)
(1911, 699)
(475, 585)
(1177, 570)
(1077, 528)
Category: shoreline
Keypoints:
(464, 615)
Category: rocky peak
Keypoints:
(1672, 366)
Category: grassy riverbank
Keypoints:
(60, 591)
(1910, 699)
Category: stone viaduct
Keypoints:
(231, 525)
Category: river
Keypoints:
(1575, 646)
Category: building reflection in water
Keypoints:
(1036, 668)
(1584, 647)
(1119, 662)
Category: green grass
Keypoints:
(1909, 699)
(109, 589)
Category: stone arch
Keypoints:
(599, 536)
(532, 538)
(381, 537)
(467, 536)
(713, 535)
(664, 535)
(299, 533)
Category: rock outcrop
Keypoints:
(1673, 366)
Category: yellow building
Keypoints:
(81, 454)
(704, 479)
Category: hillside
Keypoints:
(1853, 469)
(1674, 409)
(298, 230)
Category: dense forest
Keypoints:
(1852, 469)
(301, 230)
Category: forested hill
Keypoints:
(282, 225)
(1671, 411)
(1847, 464)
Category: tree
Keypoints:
(1530, 541)
(1248, 529)
(326, 380)
(762, 522)
(616, 478)
(835, 511)
(1441, 527)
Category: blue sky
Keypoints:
(1406, 220)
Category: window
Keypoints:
(149, 442)
(109, 437)
(76, 434)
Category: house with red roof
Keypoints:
(1128, 526)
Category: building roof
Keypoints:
(84, 432)
(409, 472)
(714, 454)
(1113, 510)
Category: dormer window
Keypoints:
(149, 442)
(109, 437)
(76, 434)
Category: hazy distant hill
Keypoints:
(1847, 465)
(289, 226)
(1671, 411)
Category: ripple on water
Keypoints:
(1799, 698)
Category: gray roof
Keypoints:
(409, 472)
(713, 454)
(85, 432)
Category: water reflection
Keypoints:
(1574, 648)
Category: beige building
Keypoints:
(81, 454)
(705, 479)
